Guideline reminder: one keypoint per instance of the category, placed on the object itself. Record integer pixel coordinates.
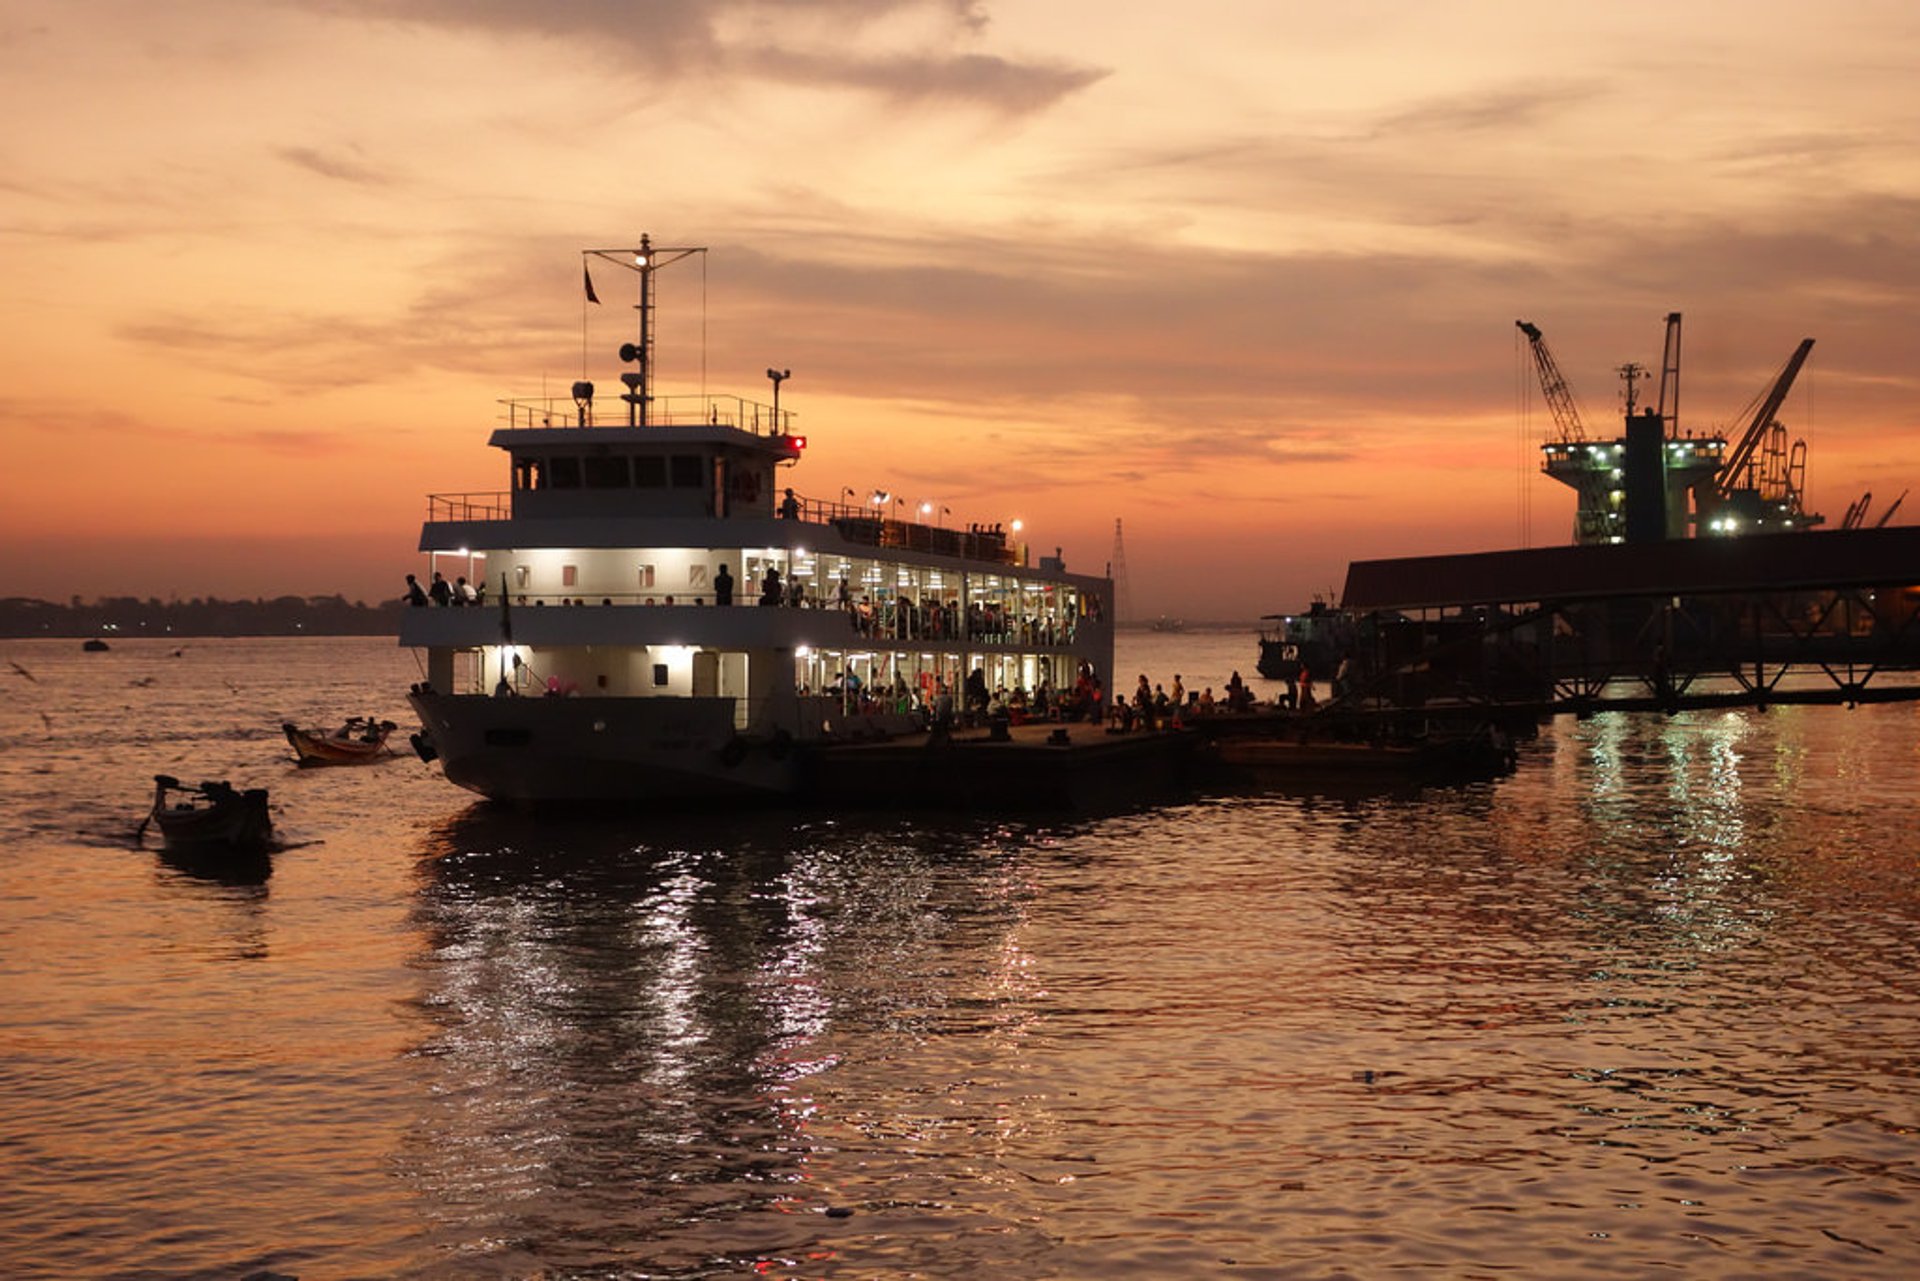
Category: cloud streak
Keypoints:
(340, 165)
(848, 44)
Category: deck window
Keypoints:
(660, 674)
(646, 575)
(688, 471)
(607, 473)
(569, 575)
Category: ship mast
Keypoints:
(643, 261)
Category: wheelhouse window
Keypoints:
(529, 473)
(563, 473)
(607, 473)
(650, 472)
(688, 471)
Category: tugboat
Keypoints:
(1318, 638)
(676, 622)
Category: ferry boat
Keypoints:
(668, 617)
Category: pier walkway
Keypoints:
(1804, 618)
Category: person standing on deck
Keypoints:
(723, 587)
(440, 593)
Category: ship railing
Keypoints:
(664, 411)
(497, 505)
(873, 524)
(892, 618)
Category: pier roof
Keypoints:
(1802, 561)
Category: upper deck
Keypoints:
(460, 520)
(631, 470)
(713, 457)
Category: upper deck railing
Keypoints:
(665, 411)
(443, 508)
(855, 522)
(872, 525)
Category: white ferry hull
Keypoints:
(601, 749)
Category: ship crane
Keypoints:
(1856, 517)
(1553, 385)
(1762, 475)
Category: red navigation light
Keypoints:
(796, 443)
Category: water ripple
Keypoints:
(1649, 1005)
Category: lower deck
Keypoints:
(763, 690)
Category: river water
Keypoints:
(1650, 1005)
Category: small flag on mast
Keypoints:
(588, 277)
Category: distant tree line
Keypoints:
(129, 616)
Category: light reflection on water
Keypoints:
(1649, 1004)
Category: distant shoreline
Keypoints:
(23, 618)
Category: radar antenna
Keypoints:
(644, 261)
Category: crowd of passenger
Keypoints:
(1151, 706)
(974, 703)
(892, 617)
(989, 622)
(441, 592)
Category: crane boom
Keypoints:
(1670, 377)
(1756, 431)
(1566, 415)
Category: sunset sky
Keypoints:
(1244, 275)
